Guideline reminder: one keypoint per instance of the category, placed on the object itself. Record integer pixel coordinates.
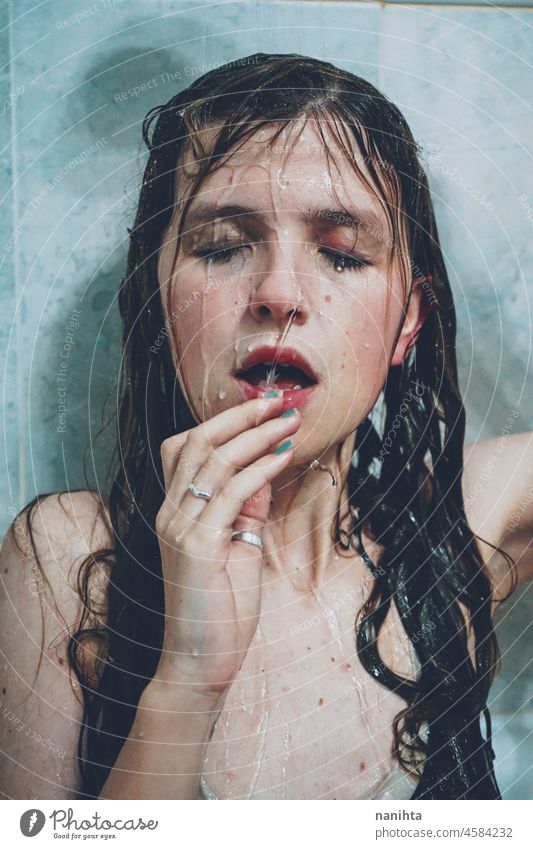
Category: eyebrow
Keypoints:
(332, 218)
(329, 218)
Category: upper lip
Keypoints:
(285, 356)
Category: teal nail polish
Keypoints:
(284, 446)
(273, 394)
(288, 413)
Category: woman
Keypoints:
(252, 614)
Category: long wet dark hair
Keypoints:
(429, 563)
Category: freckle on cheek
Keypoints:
(327, 298)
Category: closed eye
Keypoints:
(216, 255)
(338, 260)
(341, 261)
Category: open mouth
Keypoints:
(286, 376)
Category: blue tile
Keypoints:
(484, 5)
(512, 741)
(4, 41)
(9, 455)
(464, 81)
(461, 75)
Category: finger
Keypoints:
(184, 453)
(221, 513)
(171, 450)
(255, 510)
(225, 461)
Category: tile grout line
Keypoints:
(381, 13)
(413, 4)
(16, 266)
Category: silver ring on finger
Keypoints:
(199, 493)
(248, 536)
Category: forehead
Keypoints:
(304, 164)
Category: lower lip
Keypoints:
(291, 397)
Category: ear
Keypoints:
(418, 309)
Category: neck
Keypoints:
(297, 537)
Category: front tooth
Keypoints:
(297, 386)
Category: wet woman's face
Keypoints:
(278, 231)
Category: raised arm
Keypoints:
(498, 494)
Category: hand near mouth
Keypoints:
(213, 581)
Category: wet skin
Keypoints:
(260, 236)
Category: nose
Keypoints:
(277, 294)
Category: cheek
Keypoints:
(368, 324)
(203, 334)
(361, 371)
(363, 345)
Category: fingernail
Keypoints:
(288, 413)
(273, 394)
(284, 446)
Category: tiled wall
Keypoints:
(70, 163)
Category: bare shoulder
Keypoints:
(40, 608)
(67, 525)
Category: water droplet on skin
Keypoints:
(221, 394)
(333, 623)
(366, 344)
(250, 347)
(281, 180)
